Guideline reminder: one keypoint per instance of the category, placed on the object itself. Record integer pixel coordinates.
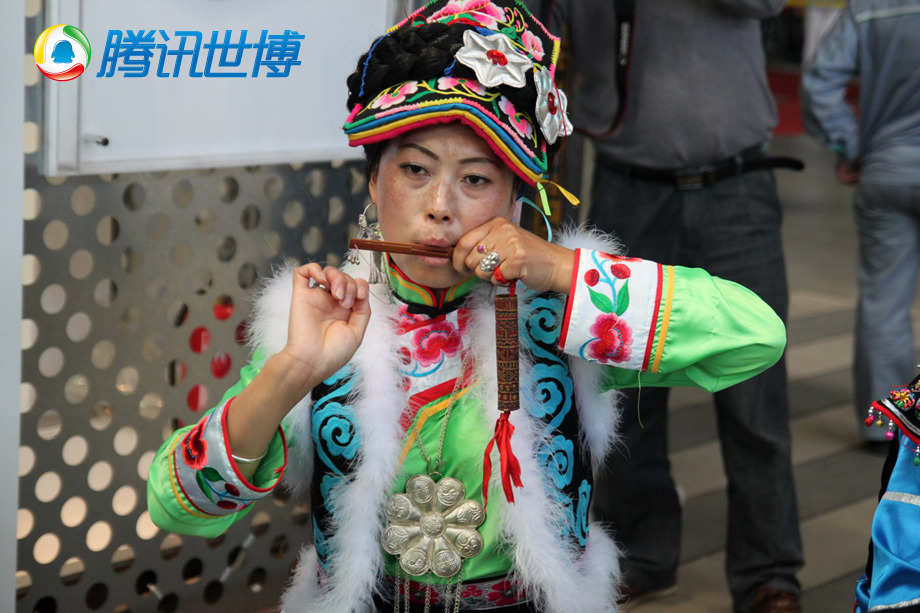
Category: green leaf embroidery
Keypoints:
(211, 475)
(203, 485)
(602, 302)
(623, 299)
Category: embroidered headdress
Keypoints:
(486, 63)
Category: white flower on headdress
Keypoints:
(551, 104)
(493, 59)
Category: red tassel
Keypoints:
(510, 467)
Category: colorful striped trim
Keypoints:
(665, 320)
(445, 105)
(410, 291)
(423, 398)
(424, 414)
(177, 485)
(523, 166)
(569, 301)
(651, 330)
(388, 127)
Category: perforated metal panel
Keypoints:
(135, 299)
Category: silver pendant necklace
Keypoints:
(432, 526)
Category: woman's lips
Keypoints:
(437, 261)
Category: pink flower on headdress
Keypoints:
(494, 59)
(385, 101)
(533, 44)
(447, 83)
(521, 125)
(613, 339)
(475, 86)
(483, 11)
(551, 105)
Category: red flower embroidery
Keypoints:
(194, 447)
(431, 343)
(470, 591)
(226, 504)
(592, 277)
(613, 339)
(620, 271)
(232, 489)
(409, 321)
(505, 593)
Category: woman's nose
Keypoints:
(439, 204)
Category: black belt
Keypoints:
(749, 160)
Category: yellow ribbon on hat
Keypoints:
(541, 191)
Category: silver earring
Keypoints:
(365, 232)
(368, 231)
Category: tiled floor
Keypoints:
(836, 479)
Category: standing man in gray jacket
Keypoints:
(877, 41)
(682, 176)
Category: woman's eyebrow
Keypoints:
(427, 152)
(433, 155)
(480, 160)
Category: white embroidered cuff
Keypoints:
(612, 309)
(206, 472)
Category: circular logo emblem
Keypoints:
(62, 52)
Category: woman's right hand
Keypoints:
(329, 314)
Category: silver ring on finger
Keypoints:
(490, 262)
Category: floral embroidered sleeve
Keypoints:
(659, 325)
(194, 485)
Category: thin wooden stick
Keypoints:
(404, 248)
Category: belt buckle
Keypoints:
(697, 178)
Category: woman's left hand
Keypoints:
(540, 265)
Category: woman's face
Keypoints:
(432, 186)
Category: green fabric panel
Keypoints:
(464, 445)
(719, 334)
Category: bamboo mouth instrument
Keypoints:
(403, 248)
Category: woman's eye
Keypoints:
(476, 180)
(413, 169)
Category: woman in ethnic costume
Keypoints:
(374, 388)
